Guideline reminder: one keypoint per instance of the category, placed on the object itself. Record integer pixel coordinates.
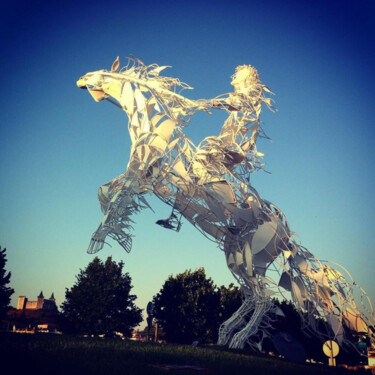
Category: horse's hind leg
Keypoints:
(235, 322)
(260, 309)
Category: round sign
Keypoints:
(330, 348)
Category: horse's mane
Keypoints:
(138, 69)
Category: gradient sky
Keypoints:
(57, 146)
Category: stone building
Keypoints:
(33, 316)
(40, 304)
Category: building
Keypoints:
(40, 304)
(33, 316)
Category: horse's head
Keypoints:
(93, 82)
(138, 88)
(103, 84)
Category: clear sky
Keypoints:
(57, 146)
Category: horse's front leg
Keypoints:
(98, 238)
(118, 206)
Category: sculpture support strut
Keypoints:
(209, 185)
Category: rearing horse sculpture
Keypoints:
(209, 185)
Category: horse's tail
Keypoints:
(324, 292)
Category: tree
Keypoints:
(100, 302)
(230, 301)
(186, 307)
(191, 307)
(5, 291)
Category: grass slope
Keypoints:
(52, 354)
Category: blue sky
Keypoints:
(58, 146)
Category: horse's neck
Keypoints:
(145, 112)
(147, 117)
(151, 123)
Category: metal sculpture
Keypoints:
(209, 185)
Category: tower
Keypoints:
(21, 304)
(40, 301)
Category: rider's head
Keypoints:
(245, 79)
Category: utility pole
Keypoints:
(156, 332)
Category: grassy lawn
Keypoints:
(54, 354)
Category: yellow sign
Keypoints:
(330, 348)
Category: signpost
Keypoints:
(331, 349)
(150, 313)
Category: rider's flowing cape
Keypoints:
(209, 185)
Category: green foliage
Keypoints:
(100, 302)
(190, 307)
(230, 301)
(186, 307)
(5, 291)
